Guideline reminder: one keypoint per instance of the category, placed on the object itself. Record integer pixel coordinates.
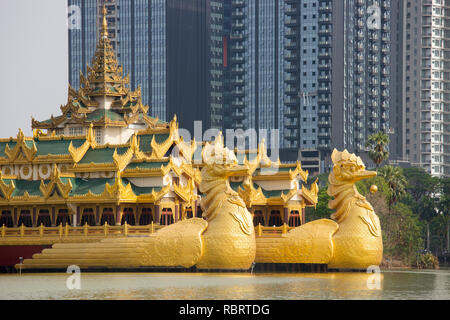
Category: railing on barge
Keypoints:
(106, 231)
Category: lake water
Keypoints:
(410, 284)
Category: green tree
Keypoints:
(420, 183)
(363, 186)
(377, 143)
(321, 210)
(396, 181)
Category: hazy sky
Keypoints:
(33, 62)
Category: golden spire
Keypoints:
(104, 33)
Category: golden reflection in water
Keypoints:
(229, 286)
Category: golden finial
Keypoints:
(104, 33)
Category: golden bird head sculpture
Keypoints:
(349, 168)
(221, 161)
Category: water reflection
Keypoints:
(392, 285)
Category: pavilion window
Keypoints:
(188, 213)
(6, 219)
(98, 135)
(108, 216)
(199, 212)
(44, 218)
(25, 219)
(63, 218)
(128, 216)
(275, 219)
(258, 218)
(146, 217)
(76, 131)
(166, 217)
(88, 217)
(294, 219)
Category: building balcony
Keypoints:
(291, 125)
(291, 114)
(325, 9)
(290, 101)
(238, 116)
(324, 124)
(238, 82)
(291, 45)
(291, 137)
(237, 70)
(238, 26)
(238, 93)
(291, 11)
(324, 66)
(291, 68)
(237, 14)
(237, 36)
(324, 100)
(237, 48)
(291, 22)
(291, 57)
(324, 31)
(238, 3)
(291, 33)
(322, 146)
(237, 59)
(291, 90)
(324, 135)
(324, 112)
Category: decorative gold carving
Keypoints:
(6, 189)
(299, 171)
(312, 195)
(250, 195)
(119, 191)
(48, 190)
(159, 150)
(78, 153)
(21, 152)
(186, 193)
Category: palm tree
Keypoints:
(377, 143)
(396, 182)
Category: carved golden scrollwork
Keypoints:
(21, 151)
(48, 190)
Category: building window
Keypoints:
(77, 131)
(98, 136)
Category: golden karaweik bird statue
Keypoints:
(351, 240)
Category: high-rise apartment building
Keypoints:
(171, 48)
(317, 70)
(361, 72)
(274, 70)
(427, 84)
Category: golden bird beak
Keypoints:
(364, 174)
(238, 170)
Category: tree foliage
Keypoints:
(377, 143)
(396, 182)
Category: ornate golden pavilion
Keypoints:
(104, 160)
